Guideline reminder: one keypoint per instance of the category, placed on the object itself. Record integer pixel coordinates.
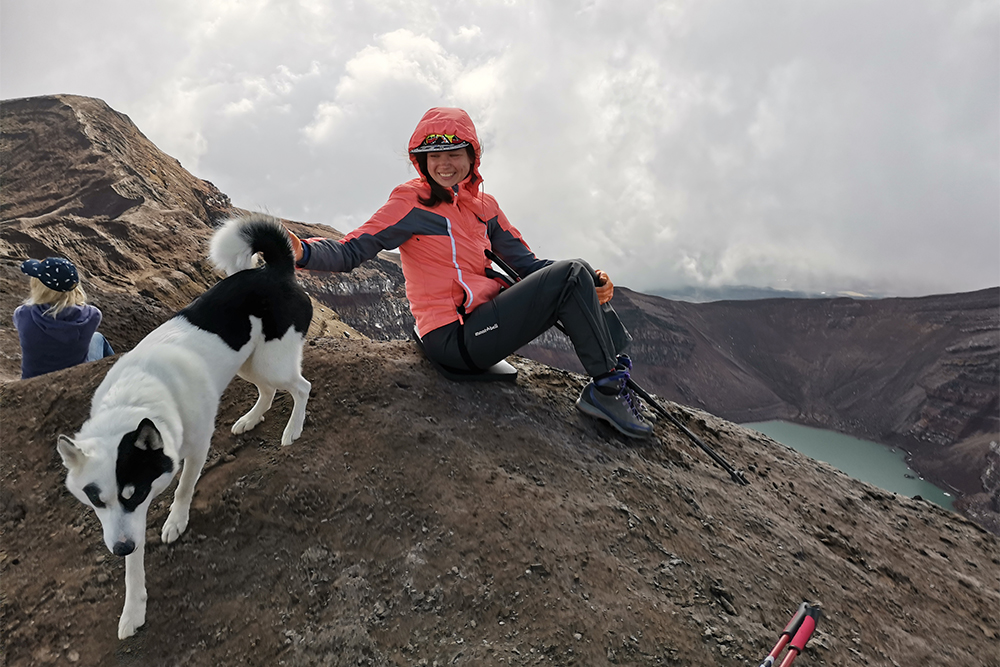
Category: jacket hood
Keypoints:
(448, 120)
(68, 327)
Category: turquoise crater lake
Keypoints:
(883, 466)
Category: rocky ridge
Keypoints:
(80, 180)
(419, 521)
(919, 373)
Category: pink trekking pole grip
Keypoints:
(798, 643)
(786, 635)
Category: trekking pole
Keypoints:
(737, 475)
(798, 643)
(795, 635)
(512, 275)
(786, 635)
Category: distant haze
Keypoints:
(821, 146)
(745, 293)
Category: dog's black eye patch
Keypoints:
(94, 493)
(137, 469)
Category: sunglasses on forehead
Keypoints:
(440, 142)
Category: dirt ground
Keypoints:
(423, 522)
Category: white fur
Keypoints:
(229, 251)
(175, 378)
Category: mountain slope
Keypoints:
(920, 373)
(419, 521)
(80, 180)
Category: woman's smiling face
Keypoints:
(449, 168)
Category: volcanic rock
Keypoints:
(419, 521)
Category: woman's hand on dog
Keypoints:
(296, 246)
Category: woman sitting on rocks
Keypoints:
(57, 327)
(468, 317)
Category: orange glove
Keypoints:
(605, 288)
(296, 246)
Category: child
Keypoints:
(56, 326)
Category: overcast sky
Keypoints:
(815, 145)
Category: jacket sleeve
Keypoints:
(20, 316)
(389, 228)
(94, 319)
(506, 242)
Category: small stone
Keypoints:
(577, 636)
(45, 655)
(73, 656)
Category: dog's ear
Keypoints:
(148, 437)
(71, 455)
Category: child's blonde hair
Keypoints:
(57, 301)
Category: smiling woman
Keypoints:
(444, 161)
(449, 168)
(468, 316)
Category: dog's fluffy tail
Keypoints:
(236, 244)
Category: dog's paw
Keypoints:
(290, 435)
(133, 618)
(246, 423)
(173, 527)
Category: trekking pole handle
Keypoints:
(798, 643)
(504, 266)
(786, 635)
(796, 622)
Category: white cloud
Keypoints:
(327, 118)
(468, 33)
(244, 106)
(833, 145)
(400, 62)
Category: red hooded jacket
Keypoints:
(441, 248)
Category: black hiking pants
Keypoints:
(561, 292)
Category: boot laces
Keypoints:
(634, 406)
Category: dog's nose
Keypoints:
(124, 548)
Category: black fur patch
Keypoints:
(94, 493)
(138, 468)
(272, 296)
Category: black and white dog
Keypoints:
(156, 407)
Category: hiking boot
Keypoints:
(610, 399)
(625, 363)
